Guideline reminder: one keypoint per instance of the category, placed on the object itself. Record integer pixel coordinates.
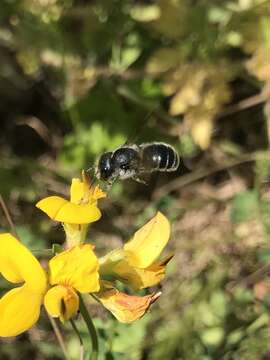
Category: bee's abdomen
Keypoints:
(159, 157)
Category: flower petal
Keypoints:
(51, 205)
(19, 309)
(98, 193)
(108, 262)
(84, 192)
(61, 301)
(140, 278)
(78, 214)
(59, 209)
(126, 308)
(76, 267)
(77, 191)
(17, 264)
(148, 242)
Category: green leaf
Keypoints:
(265, 216)
(219, 304)
(235, 336)
(262, 169)
(264, 255)
(213, 336)
(245, 206)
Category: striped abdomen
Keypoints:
(159, 157)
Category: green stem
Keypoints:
(42, 252)
(91, 329)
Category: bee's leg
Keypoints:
(108, 187)
(110, 183)
(139, 180)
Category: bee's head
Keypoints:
(105, 170)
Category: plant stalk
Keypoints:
(91, 329)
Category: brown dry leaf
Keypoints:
(201, 130)
(200, 92)
(189, 94)
(259, 64)
(172, 80)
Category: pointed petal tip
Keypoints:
(148, 242)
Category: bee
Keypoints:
(130, 161)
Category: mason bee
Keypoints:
(130, 161)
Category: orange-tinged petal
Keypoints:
(19, 309)
(98, 193)
(148, 242)
(17, 264)
(61, 301)
(62, 210)
(126, 308)
(76, 267)
(141, 278)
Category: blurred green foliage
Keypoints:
(82, 77)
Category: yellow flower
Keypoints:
(18, 266)
(77, 213)
(78, 270)
(73, 269)
(82, 207)
(136, 263)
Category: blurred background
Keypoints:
(78, 78)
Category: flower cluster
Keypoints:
(77, 269)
